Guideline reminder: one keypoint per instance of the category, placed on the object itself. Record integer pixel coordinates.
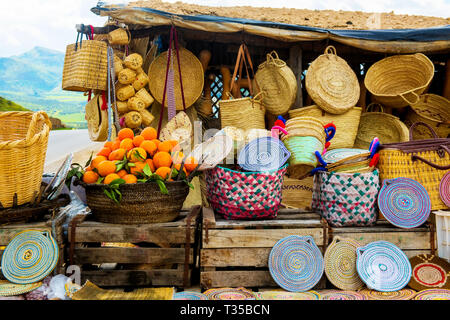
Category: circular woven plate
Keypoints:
(429, 271)
(13, 289)
(263, 154)
(383, 266)
(230, 294)
(405, 294)
(336, 155)
(29, 257)
(285, 295)
(341, 295)
(296, 263)
(444, 189)
(189, 295)
(340, 264)
(433, 294)
(213, 151)
(404, 202)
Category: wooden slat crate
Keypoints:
(412, 241)
(165, 254)
(235, 253)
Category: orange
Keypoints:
(125, 133)
(149, 146)
(104, 152)
(127, 144)
(163, 172)
(108, 144)
(138, 140)
(122, 173)
(90, 177)
(149, 133)
(156, 141)
(133, 155)
(117, 154)
(115, 144)
(173, 142)
(95, 162)
(162, 159)
(110, 178)
(106, 167)
(150, 164)
(190, 164)
(139, 167)
(89, 168)
(165, 146)
(129, 178)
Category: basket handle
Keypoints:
(369, 107)
(444, 148)
(273, 58)
(32, 129)
(416, 96)
(415, 124)
(243, 58)
(387, 182)
(261, 93)
(330, 50)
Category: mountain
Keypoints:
(7, 105)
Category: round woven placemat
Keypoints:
(337, 155)
(404, 294)
(444, 189)
(230, 294)
(433, 294)
(340, 264)
(29, 257)
(404, 202)
(189, 295)
(429, 271)
(383, 266)
(296, 263)
(341, 295)
(13, 289)
(286, 295)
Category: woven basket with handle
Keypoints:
(23, 146)
(119, 36)
(397, 81)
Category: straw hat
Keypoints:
(97, 119)
(192, 74)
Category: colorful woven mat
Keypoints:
(341, 295)
(263, 154)
(336, 155)
(286, 295)
(29, 257)
(383, 266)
(296, 263)
(230, 294)
(433, 294)
(444, 189)
(404, 202)
(189, 295)
(429, 271)
(13, 289)
(340, 264)
(404, 294)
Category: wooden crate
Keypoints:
(235, 253)
(412, 241)
(166, 254)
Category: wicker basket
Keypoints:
(119, 36)
(434, 110)
(386, 127)
(305, 127)
(331, 83)
(243, 113)
(346, 123)
(23, 146)
(278, 82)
(397, 81)
(297, 194)
(141, 203)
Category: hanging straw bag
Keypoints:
(119, 36)
(243, 113)
(331, 83)
(23, 146)
(397, 81)
(279, 84)
(425, 161)
(386, 127)
(434, 110)
(346, 123)
(85, 66)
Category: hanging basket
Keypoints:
(119, 36)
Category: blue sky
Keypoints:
(51, 23)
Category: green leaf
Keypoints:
(147, 170)
(88, 163)
(190, 185)
(100, 179)
(138, 155)
(131, 164)
(117, 182)
(162, 187)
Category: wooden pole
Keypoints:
(295, 63)
(446, 91)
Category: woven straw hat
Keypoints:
(178, 128)
(192, 74)
(97, 119)
(331, 83)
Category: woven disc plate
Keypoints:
(14, 289)
(404, 294)
(444, 189)
(230, 294)
(429, 271)
(404, 202)
(29, 257)
(189, 295)
(296, 263)
(213, 151)
(340, 264)
(383, 266)
(340, 295)
(336, 155)
(433, 294)
(285, 295)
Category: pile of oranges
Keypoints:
(138, 151)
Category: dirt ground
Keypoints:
(314, 18)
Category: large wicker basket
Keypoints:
(141, 203)
(397, 81)
(23, 146)
(243, 113)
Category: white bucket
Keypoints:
(443, 233)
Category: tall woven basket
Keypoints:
(397, 81)
(23, 146)
(243, 113)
